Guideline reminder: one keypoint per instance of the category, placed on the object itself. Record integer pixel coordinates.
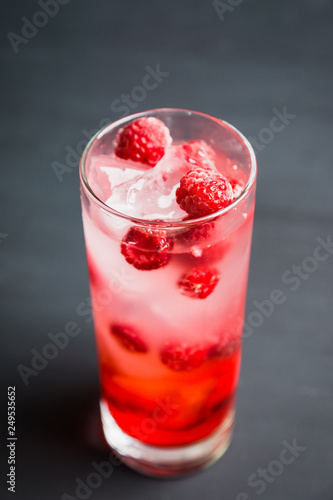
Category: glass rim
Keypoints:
(157, 222)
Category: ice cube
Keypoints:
(107, 172)
(151, 195)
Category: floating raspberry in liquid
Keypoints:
(143, 140)
(203, 192)
(183, 357)
(146, 249)
(128, 337)
(199, 282)
(198, 154)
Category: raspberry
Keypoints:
(146, 249)
(237, 187)
(183, 357)
(143, 140)
(198, 153)
(199, 282)
(203, 192)
(128, 338)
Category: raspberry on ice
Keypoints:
(143, 140)
(203, 192)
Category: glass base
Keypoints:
(166, 461)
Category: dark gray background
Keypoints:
(261, 57)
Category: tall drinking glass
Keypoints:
(168, 296)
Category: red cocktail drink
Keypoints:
(168, 203)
